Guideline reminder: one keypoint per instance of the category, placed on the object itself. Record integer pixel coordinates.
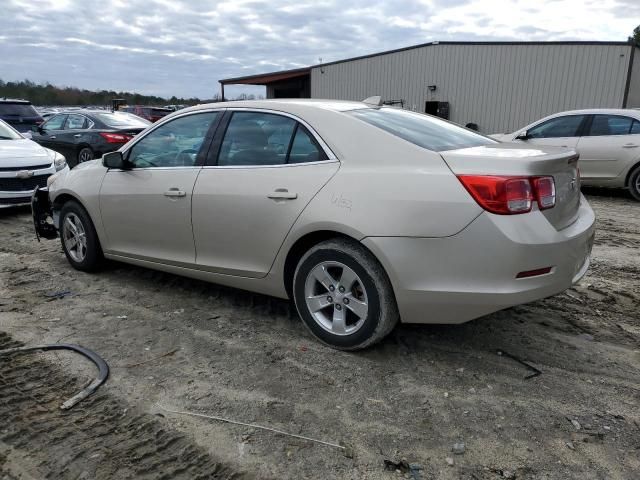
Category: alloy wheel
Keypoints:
(336, 298)
(75, 237)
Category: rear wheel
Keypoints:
(634, 183)
(79, 239)
(343, 295)
(85, 154)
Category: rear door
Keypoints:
(146, 210)
(562, 131)
(609, 144)
(265, 169)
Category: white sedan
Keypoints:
(363, 215)
(608, 141)
(24, 165)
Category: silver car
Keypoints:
(363, 215)
(608, 141)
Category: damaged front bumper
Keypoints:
(42, 213)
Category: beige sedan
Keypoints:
(363, 215)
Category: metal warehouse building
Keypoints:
(499, 86)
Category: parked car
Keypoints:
(20, 114)
(363, 215)
(153, 114)
(24, 165)
(608, 141)
(82, 135)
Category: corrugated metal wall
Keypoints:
(499, 87)
(633, 100)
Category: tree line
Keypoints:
(45, 94)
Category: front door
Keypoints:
(563, 131)
(146, 209)
(268, 168)
(610, 144)
(48, 134)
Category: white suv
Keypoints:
(24, 165)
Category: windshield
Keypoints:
(8, 133)
(122, 120)
(423, 130)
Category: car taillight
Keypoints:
(506, 195)
(115, 137)
(545, 189)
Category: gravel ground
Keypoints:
(186, 345)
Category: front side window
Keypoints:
(610, 125)
(174, 144)
(567, 126)
(55, 122)
(423, 130)
(75, 122)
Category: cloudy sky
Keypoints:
(182, 48)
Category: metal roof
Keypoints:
(270, 77)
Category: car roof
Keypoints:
(14, 100)
(601, 111)
(297, 104)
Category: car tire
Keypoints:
(634, 183)
(85, 154)
(79, 239)
(344, 296)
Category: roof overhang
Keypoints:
(267, 78)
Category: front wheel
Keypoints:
(634, 183)
(344, 296)
(79, 239)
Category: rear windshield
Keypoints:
(18, 110)
(8, 133)
(423, 130)
(122, 120)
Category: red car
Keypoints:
(153, 114)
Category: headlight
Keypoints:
(59, 162)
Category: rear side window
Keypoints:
(567, 126)
(75, 122)
(635, 128)
(304, 148)
(422, 130)
(610, 125)
(18, 110)
(262, 139)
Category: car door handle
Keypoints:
(174, 192)
(629, 145)
(78, 135)
(282, 194)
(52, 136)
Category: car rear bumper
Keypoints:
(473, 273)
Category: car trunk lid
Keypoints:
(510, 159)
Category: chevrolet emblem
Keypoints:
(24, 174)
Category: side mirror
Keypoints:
(522, 136)
(114, 160)
(36, 128)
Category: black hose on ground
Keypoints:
(103, 368)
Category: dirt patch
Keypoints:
(195, 346)
(102, 438)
